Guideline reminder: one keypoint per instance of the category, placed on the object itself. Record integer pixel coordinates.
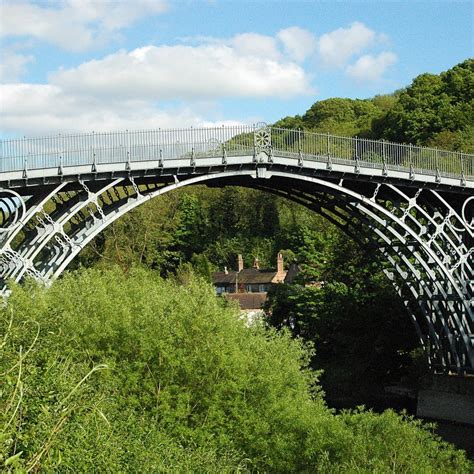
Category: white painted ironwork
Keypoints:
(12, 210)
(69, 151)
(413, 204)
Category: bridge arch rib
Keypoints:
(419, 267)
(434, 336)
(414, 205)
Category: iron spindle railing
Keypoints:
(153, 145)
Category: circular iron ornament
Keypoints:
(17, 216)
(263, 138)
(463, 213)
(469, 225)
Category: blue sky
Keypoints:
(83, 65)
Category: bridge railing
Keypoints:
(193, 143)
(117, 147)
(376, 154)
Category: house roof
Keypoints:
(248, 300)
(224, 278)
(247, 276)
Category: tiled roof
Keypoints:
(252, 275)
(247, 276)
(248, 300)
(223, 278)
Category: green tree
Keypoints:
(357, 321)
(433, 105)
(342, 116)
(202, 266)
(191, 233)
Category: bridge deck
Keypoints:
(98, 153)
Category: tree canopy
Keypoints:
(434, 110)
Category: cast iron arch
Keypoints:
(435, 270)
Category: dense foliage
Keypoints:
(435, 110)
(217, 224)
(363, 336)
(113, 372)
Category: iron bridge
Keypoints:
(412, 204)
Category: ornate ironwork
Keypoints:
(12, 210)
(412, 204)
(262, 142)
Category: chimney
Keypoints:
(256, 263)
(240, 263)
(280, 269)
(226, 271)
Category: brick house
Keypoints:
(249, 286)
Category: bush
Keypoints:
(112, 372)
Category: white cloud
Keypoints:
(338, 46)
(371, 68)
(187, 72)
(128, 89)
(44, 109)
(253, 44)
(13, 65)
(297, 42)
(134, 89)
(74, 25)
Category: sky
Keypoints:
(96, 65)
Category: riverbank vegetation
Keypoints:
(113, 371)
